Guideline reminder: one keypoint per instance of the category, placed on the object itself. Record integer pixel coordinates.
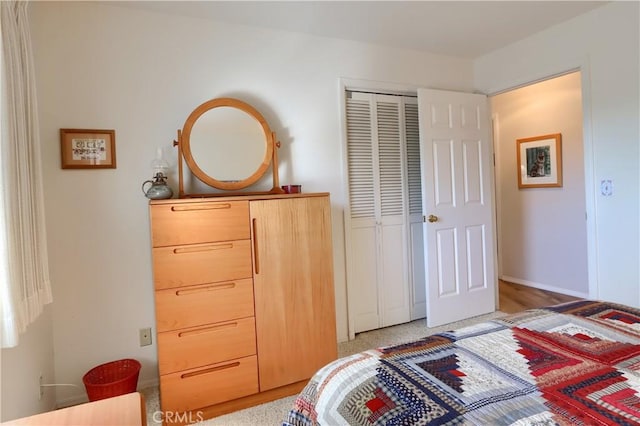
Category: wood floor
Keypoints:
(516, 298)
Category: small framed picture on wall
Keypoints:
(88, 149)
(540, 161)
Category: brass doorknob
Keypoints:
(432, 218)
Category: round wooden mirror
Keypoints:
(227, 144)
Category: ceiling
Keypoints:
(466, 29)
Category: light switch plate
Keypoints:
(606, 187)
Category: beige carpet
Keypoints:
(273, 413)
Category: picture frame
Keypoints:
(540, 161)
(88, 149)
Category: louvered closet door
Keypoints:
(394, 288)
(416, 234)
(362, 273)
(377, 236)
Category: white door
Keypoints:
(457, 193)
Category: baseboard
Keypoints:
(81, 398)
(545, 287)
(149, 383)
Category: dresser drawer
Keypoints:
(203, 304)
(199, 222)
(179, 266)
(213, 384)
(209, 344)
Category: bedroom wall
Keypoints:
(20, 369)
(542, 234)
(99, 65)
(605, 43)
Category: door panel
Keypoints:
(476, 270)
(472, 159)
(395, 300)
(446, 251)
(470, 117)
(443, 173)
(439, 116)
(456, 155)
(364, 282)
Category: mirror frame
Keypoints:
(184, 149)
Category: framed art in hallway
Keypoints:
(88, 149)
(540, 161)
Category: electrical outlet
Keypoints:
(40, 381)
(145, 336)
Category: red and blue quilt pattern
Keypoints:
(570, 364)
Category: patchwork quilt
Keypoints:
(571, 364)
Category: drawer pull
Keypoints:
(204, 330)
(211, 247)
(211, 287)
(210, 370)
(254, 225)
(216, 206)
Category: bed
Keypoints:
(572, 364)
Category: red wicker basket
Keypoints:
(112, 379)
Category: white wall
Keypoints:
(103, 66)
(542, 231)
(20, 370)
(605, 43)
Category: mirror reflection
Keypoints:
(227, 144)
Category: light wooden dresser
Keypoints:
(244, 294)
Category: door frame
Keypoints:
(583, 66)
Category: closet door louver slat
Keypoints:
(390, 159)
(414, 177)
(360, 159)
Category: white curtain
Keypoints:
(24, 271)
